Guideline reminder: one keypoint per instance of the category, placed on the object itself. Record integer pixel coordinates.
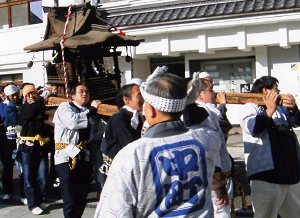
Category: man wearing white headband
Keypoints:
(206, 104)
(168, 172)
(206, 78)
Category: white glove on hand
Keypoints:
(156, 72)
(193, 92)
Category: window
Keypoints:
(175, 64)
(231, 75)
(20, 12)
(13, 78)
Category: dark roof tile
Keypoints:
(141, 18)
(118, 20)
(259, 6)
(149, 17)
(210, 10)
(290, 4)
(158, 16)
(249, 5)
(183, 13)
(269, 5)
(166, 15)
(229, 8)
(220, 9)
(278, 4)
(192, 13)
(202, 10)
(239, 7)
(126, 19)
(133, 19)
(174, 15)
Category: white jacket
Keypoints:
(168, 172)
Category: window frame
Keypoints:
(10, 3)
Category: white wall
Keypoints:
(141, 69)
(13, 40)
(13, 58)
(209, 36)
(62, 3)
(261, 63)
(284, 65)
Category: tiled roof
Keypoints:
(195, 11)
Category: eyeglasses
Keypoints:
(83, 91)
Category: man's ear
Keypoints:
(264, 91)
(200, 97)
(153, 112)
(125, 100)
(149, 110)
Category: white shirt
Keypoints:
(66, 130)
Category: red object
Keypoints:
(121, 33)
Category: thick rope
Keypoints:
(62, 40)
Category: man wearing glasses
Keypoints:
(72, 159)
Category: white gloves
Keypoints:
(193, 91)
(156, 72)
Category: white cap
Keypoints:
(137, 81)
(10, 89)
(204, 74)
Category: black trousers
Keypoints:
(74, 185)
(8, 162)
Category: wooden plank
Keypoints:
(243, 98)
(107, 109)
(256, 98)
(103, 109)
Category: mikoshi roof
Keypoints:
(85, 29)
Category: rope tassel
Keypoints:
(62, 40)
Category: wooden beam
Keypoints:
(13, 2)
(103, 109)
(256, 98)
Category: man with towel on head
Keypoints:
(169, 171)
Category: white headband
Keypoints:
(163, 104)
(204, 74)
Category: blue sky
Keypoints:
(36, 8)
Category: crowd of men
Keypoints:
(163, 154)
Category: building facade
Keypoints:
(236, 41)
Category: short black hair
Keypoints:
(125, 91)
(25, 84)
(266, 82)
(73, 89)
